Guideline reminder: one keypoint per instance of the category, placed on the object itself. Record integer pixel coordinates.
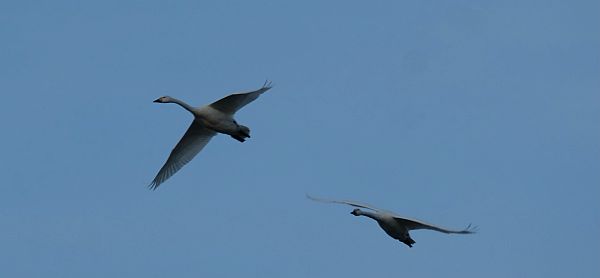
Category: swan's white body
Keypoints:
(216, 120)
(217, 117)
(395, 226)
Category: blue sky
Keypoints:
(453, 112)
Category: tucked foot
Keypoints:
(239, 138)
(408, 242)
(244, 131)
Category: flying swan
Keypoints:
(209, 120)
(394, 225)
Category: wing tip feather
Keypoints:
(153, 185)
(266, 86)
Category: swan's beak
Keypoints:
(157, 100)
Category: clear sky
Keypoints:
(453, 112)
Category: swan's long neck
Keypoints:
(183, 104)
(370, 214)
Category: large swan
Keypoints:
(394, 225)
(209, 120)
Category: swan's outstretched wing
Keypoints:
(350, 203)
(413, 224)
(232, 103)
(192, 142)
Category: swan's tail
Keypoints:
(242, 133)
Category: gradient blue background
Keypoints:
(448, 111)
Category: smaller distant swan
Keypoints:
(394, 225)
(209, 120)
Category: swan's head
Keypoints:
(165, 99)
(356, 212)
